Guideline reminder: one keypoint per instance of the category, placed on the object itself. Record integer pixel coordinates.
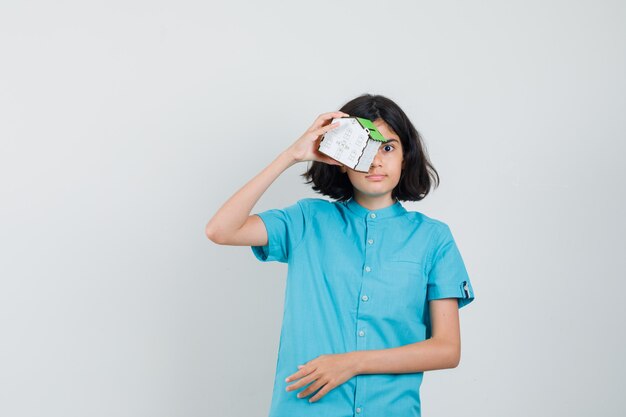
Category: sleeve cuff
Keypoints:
(271, 251)
(463, 292)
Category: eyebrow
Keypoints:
(391, 140)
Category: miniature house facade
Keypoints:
(354, 142)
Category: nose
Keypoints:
(377, 160)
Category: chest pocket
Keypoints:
(405, 280)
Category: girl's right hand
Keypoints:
(306, 147)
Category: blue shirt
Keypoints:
(357, 279)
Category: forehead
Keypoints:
(386, 130)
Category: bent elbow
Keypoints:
(455, 356)
(212, 235)
(455, 362)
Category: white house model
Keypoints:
(354, 142)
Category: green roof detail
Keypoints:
(369, 125)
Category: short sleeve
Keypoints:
(448, 277)
(285, 230)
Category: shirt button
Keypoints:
(358, 409)
(373, 215)
(365, 298)
(370, 241)
(368, 269)
(361, 333)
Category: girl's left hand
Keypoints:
(325, 372)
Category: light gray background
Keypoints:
(126, 124)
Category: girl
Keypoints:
(373, 290)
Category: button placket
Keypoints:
(361, 326)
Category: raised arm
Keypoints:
(232, 224)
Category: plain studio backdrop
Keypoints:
(125, 125)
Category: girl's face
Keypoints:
(388, 163)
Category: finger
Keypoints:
(324, 117)
(302, 382)
(316, 126)
(293, 376)
(323, 129)
(298, 384)
(297, 375)
(330, 115)
(311, 389)
(302, 378)
(321, 393)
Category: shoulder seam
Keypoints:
(436, 245)
(305, 215)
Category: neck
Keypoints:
(373, 202)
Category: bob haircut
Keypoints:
(418, 174)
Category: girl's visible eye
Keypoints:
(389, 146)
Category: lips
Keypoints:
(375, 177)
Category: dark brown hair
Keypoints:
(418, 174)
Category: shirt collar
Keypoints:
(393, 210)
